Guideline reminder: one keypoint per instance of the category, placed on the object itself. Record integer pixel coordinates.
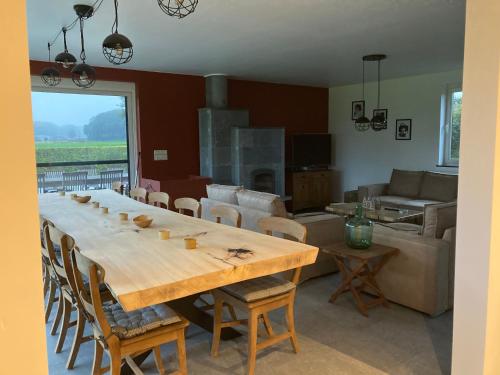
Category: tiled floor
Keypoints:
(334, 339)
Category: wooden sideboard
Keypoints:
(310, 189)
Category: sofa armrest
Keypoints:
(374, 190)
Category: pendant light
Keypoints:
(117, 48)
(379, 122)
(178, 8)
(66, 59)
(50, 75)
(83, 75)
(362, 123)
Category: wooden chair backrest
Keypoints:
(54, 237)
(285, 226)
(73, 181)
(41, 182)
(117, 186)
(90, 299)
(228, 213)
(158, 198)
(139, 193)
(188, 204)
(107, 178)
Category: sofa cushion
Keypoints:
(439, 187)
(438, 218)
(405, 183)
(223, 193)
(262, 201)
(393, 200)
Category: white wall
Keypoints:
(369, 157)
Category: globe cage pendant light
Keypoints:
(178, 8)
(83, 75)
(50, 75)
(378, 122)
(66, 59)
(362, 123)
(117, 48)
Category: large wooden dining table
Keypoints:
(143, 270)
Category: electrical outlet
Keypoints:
(160, 155)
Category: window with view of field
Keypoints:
(450, 136)
(80, 133)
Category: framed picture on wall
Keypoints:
(403, 129)
(358, 109)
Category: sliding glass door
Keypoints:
(82, 139)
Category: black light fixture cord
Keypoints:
(82, 54)
(114, 28)
(363, 79)
(48, 46)
(378, 95)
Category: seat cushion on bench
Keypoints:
(126, 325)
(259, 288)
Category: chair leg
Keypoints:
(232, 312)
(291, 325)
(115, 359)
(77, 340)
(181, 352)
(98, 352)
(267, 324)
(159, 360)
(252, 342)
(59, 313)
(218, 306)
(46, 280)
(64, 324)
(50, 301)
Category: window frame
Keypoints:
(106, 88)
(445, 159)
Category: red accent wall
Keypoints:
(168, 118)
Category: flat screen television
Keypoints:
(311, 150)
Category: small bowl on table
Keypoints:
(143, 221)
(83, 198)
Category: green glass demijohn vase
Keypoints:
(359, 230)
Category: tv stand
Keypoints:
(310, 188)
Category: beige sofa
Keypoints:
(413, 189)
(322, 229)
(422, 275)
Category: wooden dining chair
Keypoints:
(158, 198)
(108, 178)
(228, 214)
(139, 193)
(126, 334)
(50, 280)
(74, 181)
(40, 177)
(188, 204)
(117, 186)
(260, 296)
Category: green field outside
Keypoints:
(51, 152)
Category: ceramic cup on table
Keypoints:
(164, 234)
(95, 204)
(190, 243)
(62, 193)
(104, 210)
(123, 216)
(73, 196)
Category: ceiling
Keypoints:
(314, 42)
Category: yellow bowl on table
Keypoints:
(82, 199)
(143, 221)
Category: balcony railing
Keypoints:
(95, 175)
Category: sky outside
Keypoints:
(70, 109)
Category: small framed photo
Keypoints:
(403, 129)
(358, 109)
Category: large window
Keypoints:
(450, 128)
(82, 139)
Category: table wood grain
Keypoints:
(142, 270)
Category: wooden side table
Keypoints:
(359, 268)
